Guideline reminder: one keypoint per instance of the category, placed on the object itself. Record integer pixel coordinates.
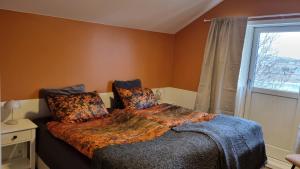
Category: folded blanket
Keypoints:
(240, 141)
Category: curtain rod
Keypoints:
(266, 16)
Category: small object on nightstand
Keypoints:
(22, 132)
(11, 106)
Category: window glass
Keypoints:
(278, 61)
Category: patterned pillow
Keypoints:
(75, 108)
(117, 101)
(137, 98)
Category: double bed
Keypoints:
(139, 133)
(174, 137)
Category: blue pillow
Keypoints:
(117, 102)
(43, 93)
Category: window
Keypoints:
(277, 63)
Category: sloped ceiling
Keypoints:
(166, 16)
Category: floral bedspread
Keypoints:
(124, 127)
(171, 115)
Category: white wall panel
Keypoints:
(36, 108)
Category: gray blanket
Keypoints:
(240, 141)
(206, 145)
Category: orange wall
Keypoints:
(40, 51)
(190, 42)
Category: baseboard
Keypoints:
(277, 164)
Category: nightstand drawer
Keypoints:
(16, 137)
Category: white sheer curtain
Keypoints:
(240, 99)
(221, 65)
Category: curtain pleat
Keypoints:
(221, 65)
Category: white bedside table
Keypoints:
(22, 132)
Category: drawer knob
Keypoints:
(14, 137)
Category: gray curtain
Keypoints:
(221, 65)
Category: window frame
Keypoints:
(257, 30)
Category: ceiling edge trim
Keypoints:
(89, 21)
(206, 9)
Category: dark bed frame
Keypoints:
(55, 153)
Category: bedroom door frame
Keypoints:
(256, 28)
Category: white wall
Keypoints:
(36, 108)
(184, 98)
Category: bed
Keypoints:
(177, 138)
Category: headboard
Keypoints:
(36, 108)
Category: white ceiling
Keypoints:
(167, 16)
